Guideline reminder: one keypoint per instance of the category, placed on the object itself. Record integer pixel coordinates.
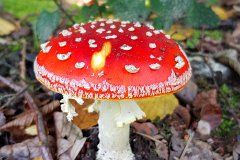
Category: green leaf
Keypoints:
(89, 12)
(46, 24)
(131, 10)
(200, 15)
(170, 10)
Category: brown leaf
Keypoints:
(203, 99)
(212, 114)
(27, 149)
(26, 118)
(183, 112)
(69, 137)
(208, 110)
(162, 150)
(145, 128)
(84, 119)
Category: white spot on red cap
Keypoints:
(66, 33)
(157, 31)
(180, 62)
(150, 26)
(82, 30)
(91, 41)
(109, 32)
(109, 21)
(45, 48)
(112, 26)
(131, 68)
(131, 29)
(120, 30)
(63, 57)
(100, 30)
(125, 22)
(168, 36)
(149, 34)
(78, 39)
(79, 65)
(126, 47)
(152, 56)
(102, 24)
(92, 45)
(155, 66)
(100, 74)
(160, 58)
(137, 24)
(152, 45)
(123, 25)
(76, 25)
(92, 26)
(62, 44)
(111, 37)
(134, 37)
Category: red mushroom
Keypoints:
(114, 63)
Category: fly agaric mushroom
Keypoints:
(113, 62)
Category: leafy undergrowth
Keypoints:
(200, 122)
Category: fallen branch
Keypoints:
(42, 135)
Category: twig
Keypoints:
(191, 134)
(42, 135)
(13, 98)
(23, 59)
(149, 137)
(63, 11)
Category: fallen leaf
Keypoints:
(162, 150)
(203, 99)
(158, 106)
(6, 27)
(26, 118)
(69, 137)
(27, 149)
(31, 130)
(180, 33)
(221, 12)
(236, 151)
(208, 110)
(183, 112)
(146, 128)
(84, 119)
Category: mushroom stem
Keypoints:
(114, 138)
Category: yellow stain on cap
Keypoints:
(99, 58)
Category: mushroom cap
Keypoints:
(110, 59)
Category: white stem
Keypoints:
(114, 140)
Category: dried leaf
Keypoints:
(6, 27)
(158, 106)
(180, 33)
(183, 112)
(27, 149)
(26, 118)
(208, 110)
(145, 128)
(69, 137)
(162, 150)
(222, 13)
(84, 119)
(31, 130)
(203, 99)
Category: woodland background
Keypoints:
(208, 30)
